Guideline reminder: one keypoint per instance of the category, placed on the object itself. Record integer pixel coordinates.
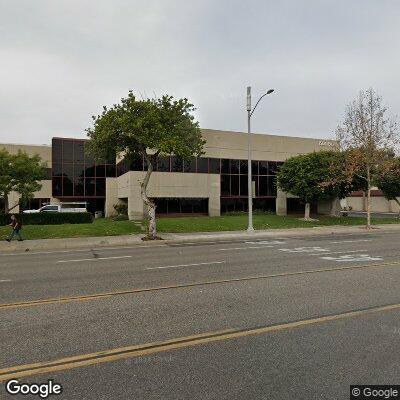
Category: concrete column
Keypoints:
(111, 197)
(281, 203)
(214, 199)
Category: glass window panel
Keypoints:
(263, 167)
(67, 187)
(176, 164)
(89, 187)
(89, 158)
(225, 166)
(272, 186)
(187, 205)
(234, 185)
(57, 169)
(79, 170)
(243, 167)
(263, 186)
(254, 167)
(202, 165)
(214, 164)
(163, 164)
(90, 172)
(68, 170)
(136, 163)
(234, 167)
(243, 185)
(225, 185)
(110, 171)
(57, 186)
(79, 189)
(173, 206)
(79, 151)
(162, 206)
(68, 150)
(100, 171)
(271, 167)
(100, 187)
(56, 146)
(189, 165)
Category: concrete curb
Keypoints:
(175, 238)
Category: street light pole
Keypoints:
(249, 180)
(249, 172)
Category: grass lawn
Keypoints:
(108, 227)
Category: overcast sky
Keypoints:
(62, 60)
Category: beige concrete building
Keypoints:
(212, 184)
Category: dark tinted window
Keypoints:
(254, 167)
(100, 171)
(57, 169)
(79, 188)
(110, 171)
(225, 166)
(57, 186)
(263, 168)
(136, 163)
(189, 165)
(79, 170)
(89, 187)
(68, 151)
(202, 165)
(271, 167)
(263, 186)
(57, 150)
(214, 165)
(225, 185)
(234, 185)
(163, 164)
(100, 187)
(79, 151)
(67, 187)
(234, 167)
(243, 185)
(68, 170)
(176, 164)
(243, 166)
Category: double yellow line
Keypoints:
(174, 344)
(96, 296)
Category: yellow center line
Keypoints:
(141, 350)
(97, 296)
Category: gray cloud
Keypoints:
(60, 61)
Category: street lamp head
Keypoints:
(270, 91)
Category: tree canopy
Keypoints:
(20, 173)
(388, 180)
(313, 177)
(149, 127)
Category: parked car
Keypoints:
(62, 207)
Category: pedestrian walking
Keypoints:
(16, 229)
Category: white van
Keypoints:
(62, 207)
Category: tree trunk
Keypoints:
(12, 208)
(368, 199)
(307, 211)
(151, 207)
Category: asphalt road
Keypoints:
(282, 318)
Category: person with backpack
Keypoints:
(16, 228)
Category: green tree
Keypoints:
(314, 177)
(369, 137)
(19, 173)
(388, 180)
(148, 128)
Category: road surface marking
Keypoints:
(305, 249)
(30, 303)
(353, 241)
(5, 280)
(337, 252)
(94, 259)
(245, 248)
(189, 265)
(358, 257)
(146, 349)
(267, 242)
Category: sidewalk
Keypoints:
(171, 238)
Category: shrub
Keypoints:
(50, 218)
(121, 209)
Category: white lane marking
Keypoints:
(351, 258)
(94, 259)
(305, 249)
(5, 280)
(267, 242)
(189, 265)
(353, 241)
(245, 248)
(338, 252)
